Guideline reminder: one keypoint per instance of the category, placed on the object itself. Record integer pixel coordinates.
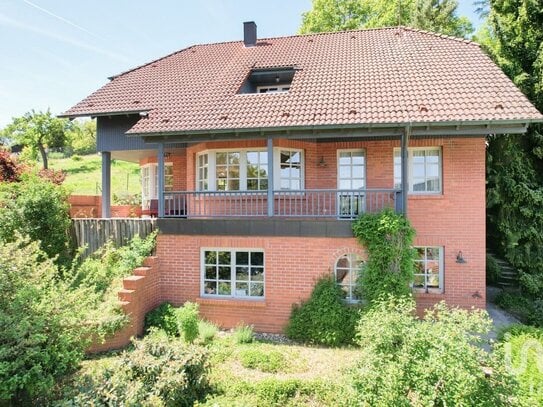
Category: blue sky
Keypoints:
(56, 52)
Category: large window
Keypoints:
(233, 273)
(346, 271)
(149, 182)
(247, 170)
(429, 269)
(423, 170)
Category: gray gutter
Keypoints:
(317, 128)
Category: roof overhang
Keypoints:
(142, 112)
(420, 130)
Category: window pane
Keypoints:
(224, 273)
(233, 158)
(418, 281)
(210, 287)
(358, 158)
(233, 185)
(242, 258)
(211, 273)
(357, 183)
(295, 184)
(257, 258)
(211, 257)
(257, 274)
(225, 288)
(433, 280)
(242, 289)
(242, 273)
(295, 157)
(220, 158)
(432, 253)
(344, 172)
(285, 184)
(257, 290)
(224, 258)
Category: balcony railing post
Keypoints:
(160, 176)
(271, 209)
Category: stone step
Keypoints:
(133, 282)
(125, 295)
(142, 271)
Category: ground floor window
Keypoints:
(429, 269)
(233, 273)
(346, 271)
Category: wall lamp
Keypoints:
(322, 163)
(460, 257)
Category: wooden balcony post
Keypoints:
(270, 177)
(106, 184)
(160, 177)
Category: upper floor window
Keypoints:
(429, 269)
(423, 170)
(268, 80)
(247, 170)
(346, 271)
(290, 169)
(149, 182)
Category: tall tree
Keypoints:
(38, 130)
(432, 15)
(513, 36)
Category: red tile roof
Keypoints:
(375, 76)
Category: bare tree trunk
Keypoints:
(43, 155)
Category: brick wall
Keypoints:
(90, 206)
(454, 220)
(139, 295)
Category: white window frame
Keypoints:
(152, 180)
(279, 88)
(355, 201)
(212, 168)
(410, 150)
(352, 270)
(277, 167)
(441, 262)
(234, 294)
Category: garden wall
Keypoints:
(90, 206)
(139, 295)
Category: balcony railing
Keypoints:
(311, 203)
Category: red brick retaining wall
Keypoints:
(139, 295)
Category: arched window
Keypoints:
(346, 271)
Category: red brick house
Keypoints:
(255, 155)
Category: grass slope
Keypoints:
(84, 175)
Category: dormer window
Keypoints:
(272, 80)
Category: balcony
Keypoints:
(307, 203)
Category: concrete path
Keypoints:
(500, 318)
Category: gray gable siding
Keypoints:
(110, 134)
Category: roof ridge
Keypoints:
(435, 34)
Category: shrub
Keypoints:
(323, 319)
(42, 331)
(76, 157)
(10, 170)
(39, 209)
(206, 332)
(187, 321)
(493, 270)
(388, 238)
(162, 317)
(271, 361)
(244, 334)
(527, 310)
(160, 371)
(435, 361)
(523, 348)
(126, 198)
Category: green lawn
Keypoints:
(84, 176)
